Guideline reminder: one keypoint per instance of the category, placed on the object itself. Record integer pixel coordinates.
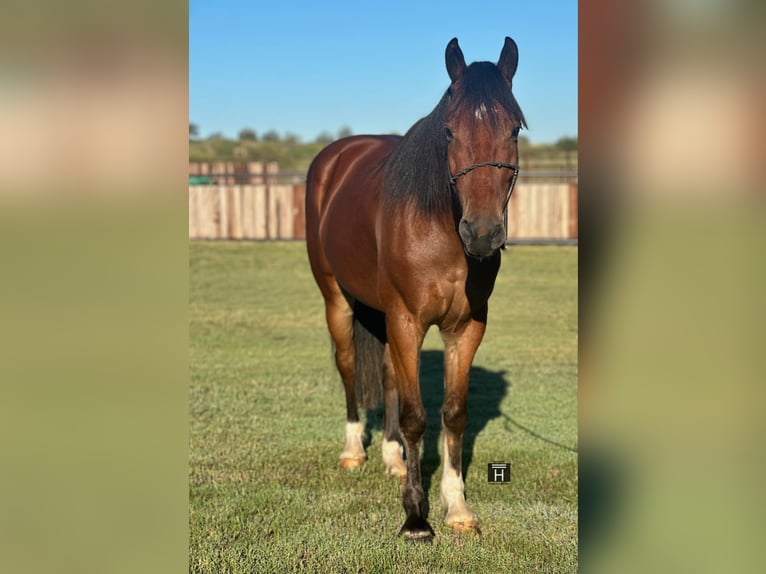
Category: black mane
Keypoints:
(416, 173)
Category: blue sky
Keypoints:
(377, 67)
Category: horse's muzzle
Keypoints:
(481, 237)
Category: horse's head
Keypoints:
(481, 124)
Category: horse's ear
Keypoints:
(509, 59)
(455, 60)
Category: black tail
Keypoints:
(369, 342)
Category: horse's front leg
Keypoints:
(460, 348)
(405, 336)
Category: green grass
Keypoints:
(267, 414)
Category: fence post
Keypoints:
(272, 170)
(230, 180)
(255, 169)
(219, 173)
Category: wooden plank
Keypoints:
(529, 212)
(230, 180)
(572, 231)
(514, 216)
(272, 170)
(248, 212)
(260, 211)
(563, 212)
(513, 213)
(533, 197)
(210, 212)
(540, 212)
(255, 169)
(218, 172)
(299, 211)
(551, 211)
(285, 194)
(520, 198)
(271, 213)
(280, 211)
(235, 212)
(538, 218)
(223, 213)
(200, 206)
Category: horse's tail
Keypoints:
(369, 343)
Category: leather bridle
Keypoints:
(499, 165)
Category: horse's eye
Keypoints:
(515, 132)
(448, 134)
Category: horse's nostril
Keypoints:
(467, 231)
(499, 236)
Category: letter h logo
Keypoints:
(499, 472)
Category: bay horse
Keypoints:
(404, 233)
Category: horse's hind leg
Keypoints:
(392, 448)
(340, 323)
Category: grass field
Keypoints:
(267, 414)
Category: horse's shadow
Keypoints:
(486, 391)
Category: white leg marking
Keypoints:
(392, 458)
(353, 454)
(456, 511)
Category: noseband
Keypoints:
(499, 165)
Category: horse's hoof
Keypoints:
(417, 530)
(467, 526)
(350, 463)
(418, 535)
(397, 471)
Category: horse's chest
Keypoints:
(440, 286)
(450, 304)
(467, 295)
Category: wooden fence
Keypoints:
(234, 172)
(542, 211)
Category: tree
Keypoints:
(324, 138)
(193, 130)
(270, 136)
(291, 139)
(344, 132)
(566, 143)
(247, 134)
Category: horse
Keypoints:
(403, 233)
